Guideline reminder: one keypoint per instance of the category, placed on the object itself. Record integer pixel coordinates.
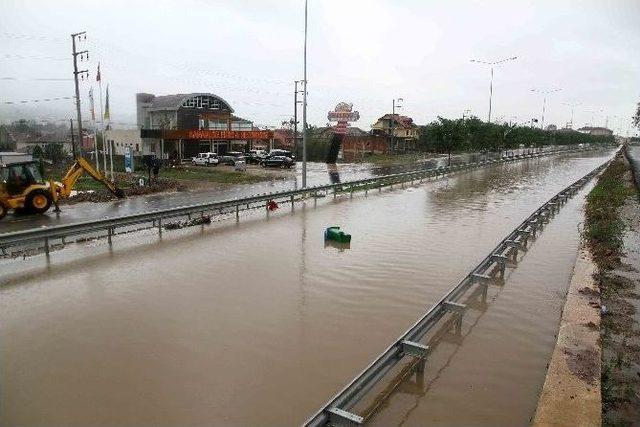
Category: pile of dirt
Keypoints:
(130, 187)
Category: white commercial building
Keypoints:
(121, 139)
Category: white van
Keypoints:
(205, 159)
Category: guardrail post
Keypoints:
(109, 232)
(292, 202)
(237, 212)
(417, 350)
(335, 191)
(315, 199)
(341, 418)
(46, 246)
(351, 191)
(501, 261)
(458, 311)
(160, 226)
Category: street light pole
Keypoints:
(490, 95)
(572, 105)
(544, 101)
(493, 64)
(304, 105)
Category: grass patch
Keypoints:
(393, 159)
(603, 227)
(210, 175)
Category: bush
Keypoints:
(444, 135)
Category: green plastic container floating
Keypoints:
(334, 233)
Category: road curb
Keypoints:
(571, 392)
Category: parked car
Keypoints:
(205, 159)
(256, 156)
(277, 161)
(284, 153)
(229, 158)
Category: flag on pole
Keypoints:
(93, 108)
(98, 73)
(107, 114)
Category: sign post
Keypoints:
(342, 115)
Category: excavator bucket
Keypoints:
(81, 166)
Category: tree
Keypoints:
(636, 118)
(37, 152)
(54, 152)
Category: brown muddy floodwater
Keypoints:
(259, 323)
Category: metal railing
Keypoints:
(336, 411)
(58, 236)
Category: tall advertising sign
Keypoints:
(128, 160)
(343, 114)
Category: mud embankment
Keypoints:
(612, 231)
(130, 188)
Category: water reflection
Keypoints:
(340, 246)
(334, 173)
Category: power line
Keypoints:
(26, 101)
(43, 58)
(38, 79)
(32, 37)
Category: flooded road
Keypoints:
(258, 323)
(317, 174)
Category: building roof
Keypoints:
(173, 102)
(403, 121)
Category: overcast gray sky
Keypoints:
(364, 52)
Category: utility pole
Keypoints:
(73, 142)
(295, 113)
(304, 105)
(80, 36)
(393, 121)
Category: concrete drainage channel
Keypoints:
(31, 242)
(337, 411)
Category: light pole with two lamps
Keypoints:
(493, 64)
(544, 101)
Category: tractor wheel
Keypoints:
(38, 201)
(3, 211)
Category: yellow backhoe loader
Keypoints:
(23, 188)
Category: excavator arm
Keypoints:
(76, 170)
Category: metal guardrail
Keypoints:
(336, 411)
(57, 235)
